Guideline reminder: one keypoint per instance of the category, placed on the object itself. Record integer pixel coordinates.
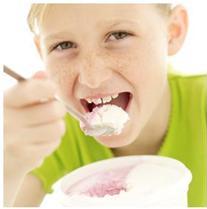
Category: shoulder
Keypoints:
(189, 93)
(199, 80)
(191, 86)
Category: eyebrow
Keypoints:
(107, 23)
(57, 35)
(115, 22)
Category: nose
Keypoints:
(93, 70)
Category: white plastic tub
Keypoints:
(152, 181)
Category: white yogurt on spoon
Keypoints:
(105, 120)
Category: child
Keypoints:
(96, 51)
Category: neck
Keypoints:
(153, 134)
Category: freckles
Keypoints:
(126, 64)
(62, 74)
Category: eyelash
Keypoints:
(73, 45)
(61, 45)
(118, 33)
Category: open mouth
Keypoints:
(121, 100)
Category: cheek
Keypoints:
(144, 66)
(141, 67)
(152, 69)
(142, 59)
(62, 74)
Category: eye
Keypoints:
(118, 35)
(64, 45)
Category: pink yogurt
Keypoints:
(109, 182)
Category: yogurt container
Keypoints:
(137, 181)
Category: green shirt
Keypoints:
(186, 140)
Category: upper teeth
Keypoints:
(102, 100)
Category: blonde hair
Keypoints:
(35, 16)
(165, 9)
(38, 11)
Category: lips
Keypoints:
(122, 101)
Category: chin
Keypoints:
(112, 141)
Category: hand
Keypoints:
(33, 124)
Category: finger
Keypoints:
(36, 114)
(29, 92)
(43, 134)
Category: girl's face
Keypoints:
(94, 51)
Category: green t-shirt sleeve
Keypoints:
(75, 150)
